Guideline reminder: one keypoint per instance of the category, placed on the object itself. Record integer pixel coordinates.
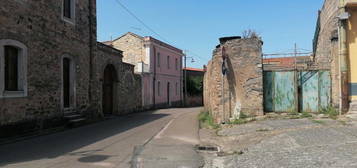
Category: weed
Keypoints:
(318, 121)
(306, 115)
(238, 122)
(262, 130)
(243, 116)
(206, 121)
(331, 112)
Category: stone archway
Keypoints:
(109, 82)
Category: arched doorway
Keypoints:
(109, 80)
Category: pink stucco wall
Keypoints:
(168, 69)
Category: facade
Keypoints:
(160, 66)
(241, 89)
(335, 49)
(194, 86)
(51, 66)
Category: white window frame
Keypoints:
(22, 69)
(71, 20)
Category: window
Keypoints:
(158, 59)
(158, 88)
(11, 68)
(168, 62)
(176, 88)
(68, 10)
(13, 71)
(176, 63)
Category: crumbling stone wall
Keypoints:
(243, 84)
(326, 54)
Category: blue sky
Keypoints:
(196, 25)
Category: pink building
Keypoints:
(160, 65)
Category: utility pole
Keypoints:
(296, 81)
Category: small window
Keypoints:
(68, 10)
(158, 88)
(168, 62)
(176, 63)
(11, 68)
(158, 59)
(176, 88)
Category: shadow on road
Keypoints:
(55, 145)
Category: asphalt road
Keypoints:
(115, 143)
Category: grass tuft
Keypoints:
(331, 112)
(206, 120)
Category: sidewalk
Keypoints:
(173, 146)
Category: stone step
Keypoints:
(74, 118)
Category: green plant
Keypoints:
(243, 116)
(207, 121)
(318, 121)
(330, 111)
(306, 115)
(238, 122)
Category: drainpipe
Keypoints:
(154, 79)
(343, 60)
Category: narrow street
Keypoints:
(112, 143)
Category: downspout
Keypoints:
(343, 61)
(154, 79)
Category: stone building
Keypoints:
(52, 70)
(243, 83)
(160, 66)
(335, 49)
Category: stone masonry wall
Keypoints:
(243, 85)
(128, 88)
(134, 48)
(326, 56)
(39, 25)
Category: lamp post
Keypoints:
(185, 78)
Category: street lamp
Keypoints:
(185, 71)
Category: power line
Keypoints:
(148, 27)
(139, 20)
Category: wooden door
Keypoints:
(108, 90)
